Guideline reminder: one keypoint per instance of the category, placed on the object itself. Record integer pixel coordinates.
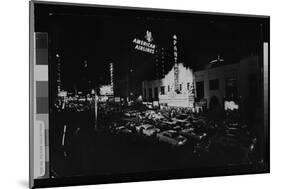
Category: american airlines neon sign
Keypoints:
(145, 46)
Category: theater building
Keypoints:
(212, 85)
(164, 90)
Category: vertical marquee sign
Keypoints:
(176, 67)
(111, 77)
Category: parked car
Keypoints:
(147, 129)
(122, 130)
(164, 126)
(131, 113)
(177, 128)
(192, 134)
(186, 130)
(171, 137)
(150, 131)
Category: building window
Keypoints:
(231, 90)
(214, 84)
(168, 88)
(155, 93)
(150, 94)
(200, 89)
(180, 87)
(144, 93)
(162, 90)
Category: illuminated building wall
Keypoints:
(106, 90)
(164, 89)
(225, 81)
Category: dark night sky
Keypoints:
(101, 39)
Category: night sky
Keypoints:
(80, 34)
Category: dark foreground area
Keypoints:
(116, 144)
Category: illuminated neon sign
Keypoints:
(145, 46)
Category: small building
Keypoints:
(228, 81)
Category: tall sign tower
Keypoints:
(176, 67)
(58, 73)
(111, 77)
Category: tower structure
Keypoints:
(111, 77)
(176, 66)
(58, 60)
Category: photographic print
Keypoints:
(144, 92)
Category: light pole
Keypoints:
(96, 111)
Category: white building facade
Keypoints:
(164, 90)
